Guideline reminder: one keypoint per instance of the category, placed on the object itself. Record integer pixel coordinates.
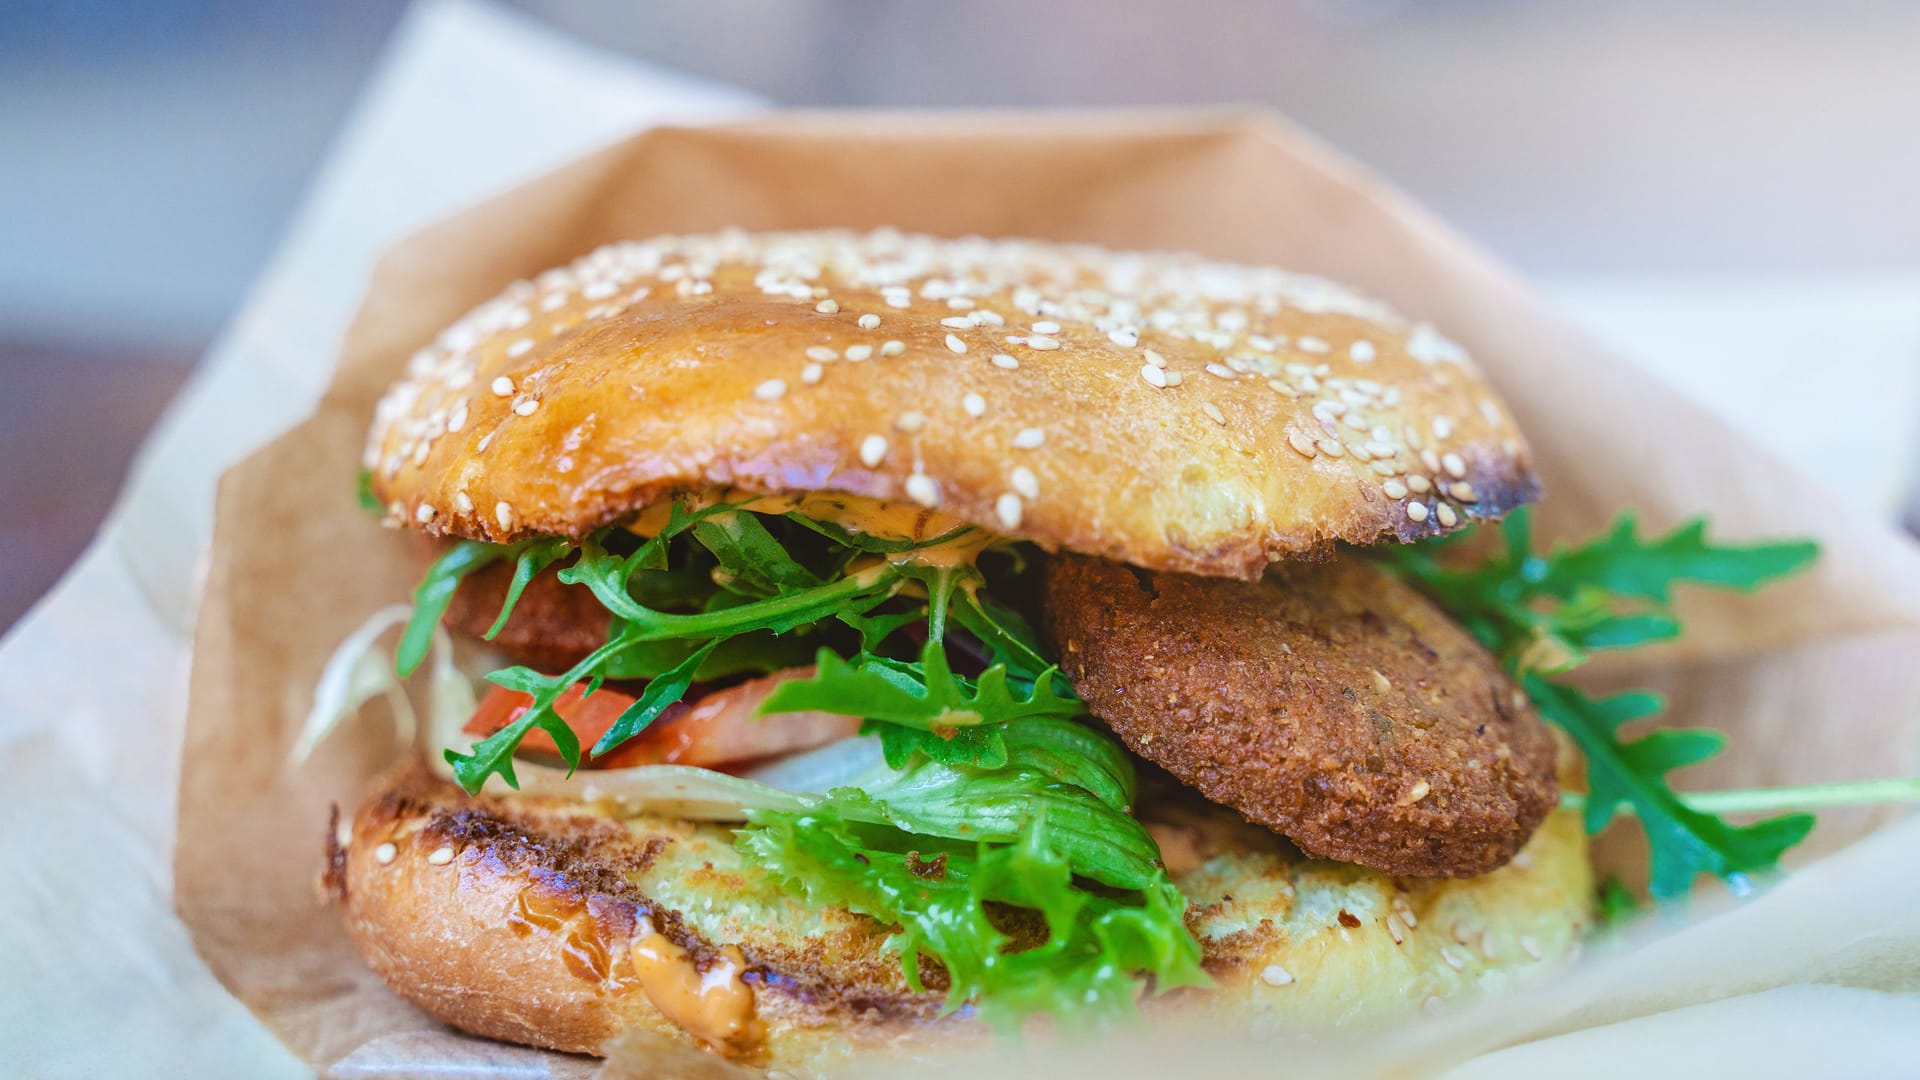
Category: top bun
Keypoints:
(1153, 409)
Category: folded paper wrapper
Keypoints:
(1816, 679)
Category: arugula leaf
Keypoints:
(1085, 972)
(1620, 562)
(662, 691)
(1544, 614)
(1683, 843)
(435, 592)
(535, 556)
(880, 690)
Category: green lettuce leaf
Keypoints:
(1088, 969)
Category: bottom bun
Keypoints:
(549, 922)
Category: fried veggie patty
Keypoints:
(1328, 701)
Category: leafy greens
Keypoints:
(993, 778)
(1545, 614)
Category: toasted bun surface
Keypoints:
(1330, 702)
(1151, 409)
(517, 917)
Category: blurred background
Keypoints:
(1724, 188)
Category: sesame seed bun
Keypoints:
(1152, 409)
(1329, 701)
(518, 917)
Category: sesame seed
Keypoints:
(1007, 508)
(1359, 451)
(771, 390)
(1281, 388)
(1331, 447)
(599, 290)
(1397, 929)
(822, 354)
(1380, 449)
(983, 317)
(859, 352)
(955, 344)
(1213, 412)
(873, 450)
(829, 306)
(1046, 326)
(526, 406)
(1275, 975)
(424, 512)
(1463, 491)
(1416, 512)
(811, 373)
(911, 421)
(893, 348)
(1024, 481)
(1313, 345)
(1361, 351)
(1154, 359)
(502, 387)
(520, 348)
(463, 502)
(1174, 378)
(922, 489)
(1385, 467)
(1430, 459)
(385, 853)
(1262, 343)
(958, 322)
(1446, 515)
(1453, 958)
(1420, 790)
(1153, 375)
(899, 300)
(1029, 438)
(974, 404)
(503, 513)
(441, 856)
(459, 418)
(1002, 360)
(1221, 370)
(1126, 339)
(869, 321)
(553, 301)
(1490, 412)
(1418, 484)
(1442, 427)
(1455, 467)
(1394, 489)
(1044, 344)
(959, 303)
(1300, 443)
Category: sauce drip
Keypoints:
(716, 1006)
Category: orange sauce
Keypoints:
(715, 1006)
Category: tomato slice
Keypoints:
(717, 730)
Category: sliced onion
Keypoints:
(845, 763)
(355, 674)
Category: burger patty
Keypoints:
(1329, 702)
(552, 628)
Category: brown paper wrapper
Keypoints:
(1815, 679)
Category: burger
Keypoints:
(849, 643)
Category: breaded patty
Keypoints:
(531, 918)
(552, 627)
(1329, 702)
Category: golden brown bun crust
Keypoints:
(1329, 702)
(1169, 413)
(1293, 943)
